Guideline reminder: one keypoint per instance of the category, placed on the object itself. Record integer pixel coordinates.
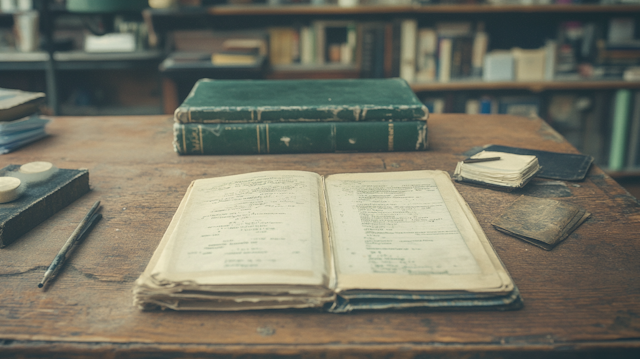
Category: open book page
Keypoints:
(262, 230)
(408, 231)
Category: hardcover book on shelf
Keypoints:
(620, 130)
(633, 152)
(408, 40)
(293, 239)
(426, 61)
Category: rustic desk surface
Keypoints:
(581, 298)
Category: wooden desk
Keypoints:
(581, 299)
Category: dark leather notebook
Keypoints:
(555, 165)
(39, 201)
(543, 222)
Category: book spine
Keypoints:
(619, 133)
(634, 137)
(409, 29)
(379, 55)
(444, 60)
(185, 114)
(367, 51)
(479, 50)
(314, 137)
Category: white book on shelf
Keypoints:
(444, 59)
(498, 66)
(529, 64)
(111, 42)
(426, 55)
(479, 50)
(408, 35)
(550, 50)
(307, 45)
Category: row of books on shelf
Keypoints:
(443, 52)
(417, 2)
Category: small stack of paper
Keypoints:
(505, 171)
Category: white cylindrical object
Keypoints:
(10, 189)
(27, 30)
(36, 171)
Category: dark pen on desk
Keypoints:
(83, 228)
(476, 160)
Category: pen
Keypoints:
(474, 160)
(87, 222)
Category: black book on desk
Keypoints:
(555, 165)
(38, 200)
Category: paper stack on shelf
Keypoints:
(507, 172)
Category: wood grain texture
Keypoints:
(582, 299)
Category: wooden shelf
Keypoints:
(331, 10)
(535, 86)
(81, 60)
(16, 60)
(232, 10)
(299, 71)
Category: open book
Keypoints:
(293, 239)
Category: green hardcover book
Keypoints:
(271, 101)
(619, 134)
(312, 137)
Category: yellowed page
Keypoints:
(257, 228)
(407, 231)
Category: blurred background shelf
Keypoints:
(592, 83)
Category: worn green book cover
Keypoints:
(271, 101)
(311, 137)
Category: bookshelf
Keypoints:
(508, 26)
(532, 86)
(60, 71)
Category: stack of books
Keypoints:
(19, 122)
(300, 116)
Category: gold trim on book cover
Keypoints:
(258, 136)
(334, 141)
(200, 136)
(267, 137)
(184, 139)
(390, 136)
